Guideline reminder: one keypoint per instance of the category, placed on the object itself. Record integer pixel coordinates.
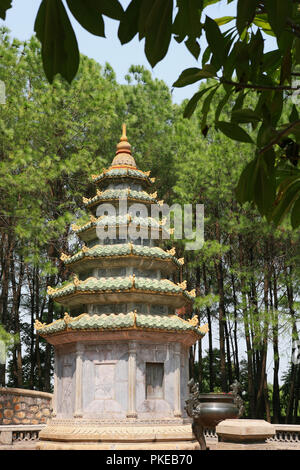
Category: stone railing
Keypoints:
(286, 433)
(22, 406)
(19, 433)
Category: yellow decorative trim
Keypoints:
(99, 193)
(64, 257)
(134, 318)
(93, 219)
(192, 293)
(172, 251)
(84, 249)
(182, 285)
(85, 200)
(181, 261)
(204, 328)
(94, 177)
(194, 321)
(67, 318)
(76, 281)
(152, 180)
(147, 173)
(154, 195)
(50, 290)
(38, 325)
(160, 203)
(75, 227)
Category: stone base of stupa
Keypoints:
(88, 434)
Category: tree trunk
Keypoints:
(276, 388)
(219, 273)
(17, 350)
(212, 379)
(262, 399)
(295, 337)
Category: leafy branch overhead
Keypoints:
(235, 62)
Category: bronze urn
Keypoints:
(209, 409)
(215, 407)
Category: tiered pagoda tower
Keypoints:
(122, 352)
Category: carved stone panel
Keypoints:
(104, 381)
(66, 402)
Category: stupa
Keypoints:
(121, 352)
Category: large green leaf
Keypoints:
(193, 75)
(206, 107)
(224, 20)
(192, 104)
(88, 15)
(158, 30)
(295, 215)
(257, 183)
(60, 52)
(187, 21)
(245, 188)
(264, 184)
(245, 14)
(193, 46)
(289, 193)
(128, 27)
(244, 115)
(261, 21)
(234, 131)
(4, 6)
(111, 8)
(216, 41)
(278, 11)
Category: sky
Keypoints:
(20, 20)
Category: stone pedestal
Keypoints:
(244, 430)
(5, 437)
(93, 434)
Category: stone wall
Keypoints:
(21, 406)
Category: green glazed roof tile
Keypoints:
(120, 193)
(119, 220)
(118, 321)
(94, 284)
(122, 249)
(123, 173)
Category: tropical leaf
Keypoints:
(224, 20)
(60, 52)
(128, 27)
(4, 6)
(278, 11)
(192, 104)
(158, 30)
(192, 75)
(88, 15)
(234, 131)
(244, 115)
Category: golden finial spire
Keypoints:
(123, 154)
(124, 136)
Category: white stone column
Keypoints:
(177, 400)
(131, 411)
(78, 382)
(55, 385)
